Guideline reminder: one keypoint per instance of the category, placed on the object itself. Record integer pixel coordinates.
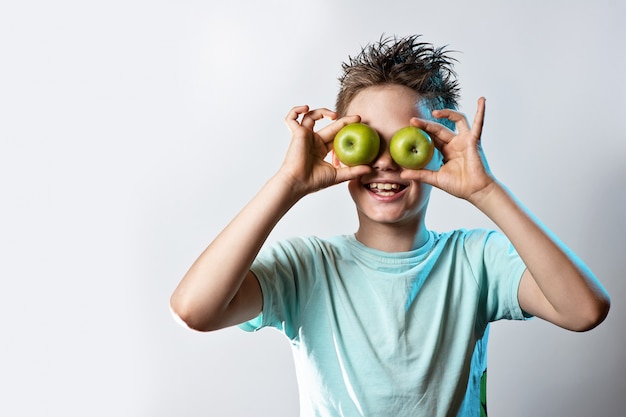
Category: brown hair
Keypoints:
(426, 69)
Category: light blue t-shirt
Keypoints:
(389, 334)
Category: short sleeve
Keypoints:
(253, 325)
(281, 270)
(499, 274)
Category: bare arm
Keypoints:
(219, 290)
(557, 286)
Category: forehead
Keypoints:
(384, 105)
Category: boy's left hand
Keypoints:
(465, 172)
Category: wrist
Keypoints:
(483, 198)
(285, 185)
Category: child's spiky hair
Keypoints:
(426, 69)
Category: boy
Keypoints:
(393, 320)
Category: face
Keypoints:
(381, 197)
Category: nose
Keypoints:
(384, 161)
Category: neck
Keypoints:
(392, 237)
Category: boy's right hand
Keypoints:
(304, 167)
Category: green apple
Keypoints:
(356, 144)
(411, 148)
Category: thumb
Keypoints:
(422, 175)
(349, 173)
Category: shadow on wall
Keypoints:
(603, 230)
(603, 236)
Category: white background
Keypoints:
(132, 131)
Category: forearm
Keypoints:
(556, 286)
(574, 298)
(214, 279)
(219, 290)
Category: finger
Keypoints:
(292, 117)
(440, 134)
(309, 119)
(425, 176)
(350, 173)
(327, 134)
(459, 119)
(479, 119)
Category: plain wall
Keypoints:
(133, 131)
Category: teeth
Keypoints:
(383, 186)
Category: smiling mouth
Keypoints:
(385, 189)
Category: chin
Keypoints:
(407, 206)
